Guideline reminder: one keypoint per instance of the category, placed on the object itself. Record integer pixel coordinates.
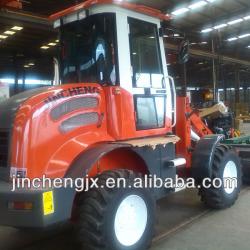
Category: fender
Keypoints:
(203, 156)
(146, 160)
(85, 161)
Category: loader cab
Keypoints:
(120, 49)
(89, 50)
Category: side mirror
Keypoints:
(169, 32)
(183, 55)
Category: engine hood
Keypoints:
(8, 110)
(9, 107)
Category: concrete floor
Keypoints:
(221, 230)
(183, 224)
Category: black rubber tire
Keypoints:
(217, 198)
(97, 209)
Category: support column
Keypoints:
(23, 80)
(214, 73)
(225, 90)
(16, 81)
(245, 92)
(237, 85)
(16, 76)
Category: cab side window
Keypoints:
(150, 112)
(145, 54)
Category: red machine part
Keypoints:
(11, 4)
(130, 6)
(187, 120)
(183, 130)
(198, 126)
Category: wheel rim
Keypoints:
(230, 173)
(131, 220)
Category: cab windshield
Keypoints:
(88, 51)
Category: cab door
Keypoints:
(148, 81)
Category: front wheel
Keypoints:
(226, 169)
(119, 218)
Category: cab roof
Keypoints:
(130, 6)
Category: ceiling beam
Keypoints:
(10, 16)
(210, 55)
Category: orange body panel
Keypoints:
(183, 130)
(130, 6)
(198, 125)
(11, 4)
(121, 113)
(187, 119)
(40, 146)
(124, 158)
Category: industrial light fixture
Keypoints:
(216, 27)
(3, 37)
(44, 47)
(199, 43)
(191, 7)
(248, 47)
(207, 30)
(180, 11)
(197, 5)
(235, 21)
(9, 32)
(52, 44)
(29, 65)
(247, 17)
(238, 37)
(18, 28)
(244, 35)
(232, 39)
(232, 22)
(220, 26)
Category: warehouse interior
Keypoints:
(216, 72)
(218, 47)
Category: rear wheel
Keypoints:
(226, 169)
(116, 219)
